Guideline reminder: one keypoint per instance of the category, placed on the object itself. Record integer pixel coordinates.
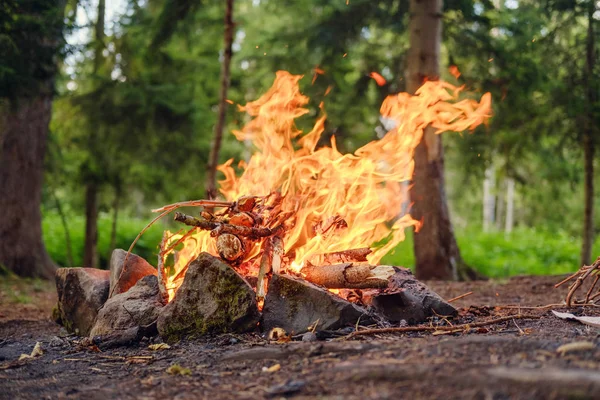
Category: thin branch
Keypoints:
(429, 328)
(219, 228)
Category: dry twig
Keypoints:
(431, 328)
(583, 273)
(462, 296)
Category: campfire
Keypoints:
(309, 210)
(302, 229)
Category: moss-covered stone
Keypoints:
(213, 298)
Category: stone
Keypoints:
(136, 269)
(213, 298)
(407, 299)
(294, 305)
(138, 307)
(81, 294)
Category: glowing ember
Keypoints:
(336, 201)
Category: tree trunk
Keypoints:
(489, 198)
(23, 137)
(90, 257)
(588, 142)
(213, 162)
(91, 226)
(436, 251)
(24, 118)
(63, 220)
(500, 205)
(113, 231)
(510, 205)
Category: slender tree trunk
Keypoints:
(436, 251)
(213, 162)
(588, 141)
(500, 205)
(489, 198)
(90, 255)
(510, 206)
(91, 226)
(63, 220)
(113, 232)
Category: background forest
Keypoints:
(138, 97)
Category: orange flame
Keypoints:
(380, 80)
(319, 183)
(453, 69)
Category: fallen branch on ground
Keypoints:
(430, 328)
(583, 273)
(462, 296)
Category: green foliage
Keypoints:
(128, 228)
(526, 251)
(30, 35)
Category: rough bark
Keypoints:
(436, 251)
(588, 143)
(211, 179)
(24, 135)
(24, 118)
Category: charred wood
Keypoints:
(218, 228)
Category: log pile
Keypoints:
(392, 292)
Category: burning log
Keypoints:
(218, 228)
(345, 256)
(230, 247)
(349, 275)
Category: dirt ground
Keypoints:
(517, 359)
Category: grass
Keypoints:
(127, 230)
(525, 251)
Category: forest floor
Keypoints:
(517, 359)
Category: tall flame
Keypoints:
(319, 184)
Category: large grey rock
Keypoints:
(138, 307)
(81, 294)
(408, 299)
(294, 304)
(213, 298)
(136, 269)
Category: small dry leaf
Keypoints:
(37, 350)
(273, 368)
(591, 321)
(575, 346)
(159, 346)
(177, 369)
